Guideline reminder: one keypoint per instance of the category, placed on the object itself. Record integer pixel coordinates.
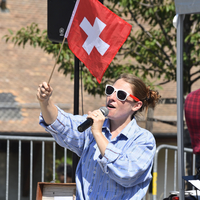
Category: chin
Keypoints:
(111, 117)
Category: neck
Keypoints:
(117, 126)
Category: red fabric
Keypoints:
(192, 116)
(114, 34)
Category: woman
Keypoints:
(116, 155)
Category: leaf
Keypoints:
(150, 46)
(10, 31)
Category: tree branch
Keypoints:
(148, 33)
(168, 64)
(161, 26)
(195, 80)
(196, 63)
(197, 72)
(162, 83)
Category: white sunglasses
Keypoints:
(121, 94)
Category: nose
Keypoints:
(113, 96)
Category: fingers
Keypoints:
(98, 119)
(96, 114)
(44, 91)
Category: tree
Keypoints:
(151, 45)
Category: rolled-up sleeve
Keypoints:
(131, 163)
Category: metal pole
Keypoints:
(54, 161)
(165, 173)
(31, 171)
(19, 169)
(76, 111)
(65, 165)
(179, 76)
(43, 157)
(7, 168)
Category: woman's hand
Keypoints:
(44, 92)
(98, 120)
(48, 109)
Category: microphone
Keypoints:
(87, 123)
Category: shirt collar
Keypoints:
(127, 131)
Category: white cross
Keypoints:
(93, 39)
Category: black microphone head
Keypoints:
(104, 110)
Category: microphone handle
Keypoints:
(86, 124)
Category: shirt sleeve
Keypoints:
(131, 165)
(64, 131)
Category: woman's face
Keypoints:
(121, 110)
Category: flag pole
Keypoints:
(56, 60)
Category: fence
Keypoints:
(21, 139)
(16, 194)
(167, 173)
(44, 140)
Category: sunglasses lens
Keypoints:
(121, 95)
(109, 90)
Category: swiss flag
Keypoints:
(95, 35)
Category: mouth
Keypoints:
(110, 106)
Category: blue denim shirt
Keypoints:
(124, 172)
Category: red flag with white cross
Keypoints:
(95, 35)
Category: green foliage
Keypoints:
(153, 39)
(151, 45)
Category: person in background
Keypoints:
(116, 155)
(192, 118)
(60, 172)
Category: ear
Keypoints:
(137, 105)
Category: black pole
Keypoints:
(75, 158)
(76, 110)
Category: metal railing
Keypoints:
(166, 175)
(44, 140)
(20, 139)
